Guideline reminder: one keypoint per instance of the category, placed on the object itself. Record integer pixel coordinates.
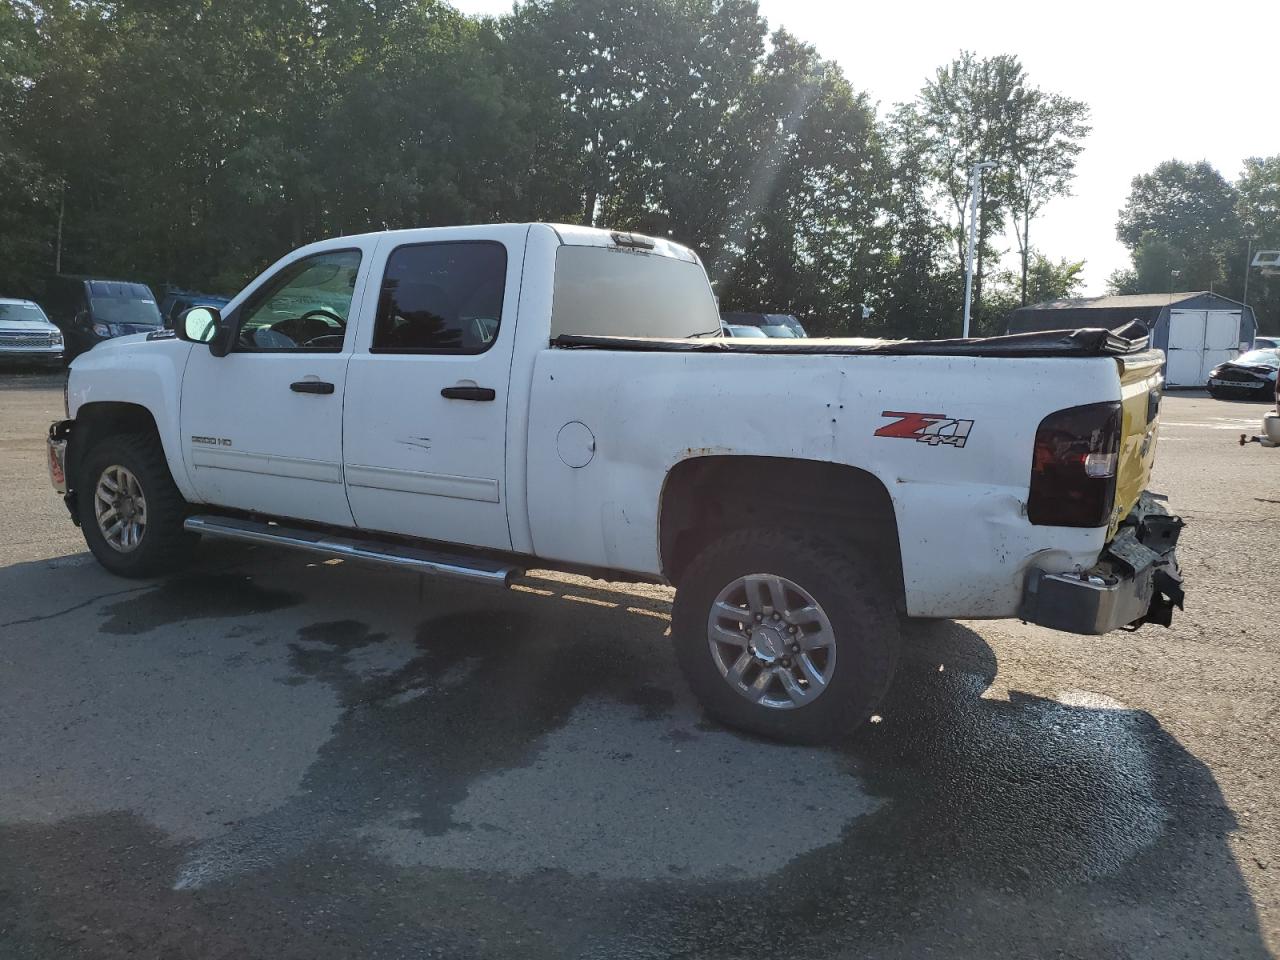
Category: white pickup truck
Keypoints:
(472, 401)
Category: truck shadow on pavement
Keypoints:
(524, 774)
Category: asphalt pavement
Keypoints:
(271, 756)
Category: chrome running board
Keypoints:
(390, 554)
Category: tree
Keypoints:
(1191, 209)
(1046, 133)
(810, 236)
(1258, 208)
(967, 114)
(921, 296)
(27, 191)
(1158, 267)
(1045, 280)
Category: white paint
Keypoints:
(450, 491)
(425, 484)
(245, 400)
(496, 474)
(1199, 340)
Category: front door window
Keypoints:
(304, 307)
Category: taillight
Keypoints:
(1073, 469)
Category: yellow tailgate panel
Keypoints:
(1140, 375)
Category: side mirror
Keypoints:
(199, 325)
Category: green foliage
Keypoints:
(1188, 228)
(986, 110)
(1258, 207)
(196, 141)
(1046, 138)
(1045, 280)
(1191, 209)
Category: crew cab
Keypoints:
(475, 401)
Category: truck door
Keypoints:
(424, 424)
(262, 426)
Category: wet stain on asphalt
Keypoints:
(193, 597)
(991, 828)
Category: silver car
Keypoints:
(26, 335)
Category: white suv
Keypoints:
(26, 334)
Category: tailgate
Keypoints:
(1141, 384)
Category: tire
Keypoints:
(860, 630)
(161, 545)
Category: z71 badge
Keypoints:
(930, 428)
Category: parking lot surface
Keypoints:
(272, 756)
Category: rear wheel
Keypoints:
(785, 634)
(130, 509)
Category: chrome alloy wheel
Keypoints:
(771, 641)
(120, 508)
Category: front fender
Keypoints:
(142, 373)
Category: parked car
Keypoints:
(1250, 376)
(88, 310)
(512, 396)
(178, 302)
(771, 324)
(741, 330)
(1270, 435)
(26, 335)
(1266, 343)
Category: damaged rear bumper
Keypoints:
(1135, 581)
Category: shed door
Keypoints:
(1221, 340)
(1186, 348)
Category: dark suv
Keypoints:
(88, 311)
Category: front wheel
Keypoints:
(130, 509)
(785, 634)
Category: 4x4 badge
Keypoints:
(930, 428)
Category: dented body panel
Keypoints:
(650, 411)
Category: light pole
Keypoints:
(975, 177)
(1248, 256)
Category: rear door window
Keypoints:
(441, 298)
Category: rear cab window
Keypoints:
(620, 292)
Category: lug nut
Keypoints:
(777, 616)
(758, 618)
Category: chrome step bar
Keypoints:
(476, 569)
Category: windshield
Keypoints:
(741, 331)
(121, 310)
(21, 311)
(1270, 358)
(611, 292)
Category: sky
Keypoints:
(1171, 80)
